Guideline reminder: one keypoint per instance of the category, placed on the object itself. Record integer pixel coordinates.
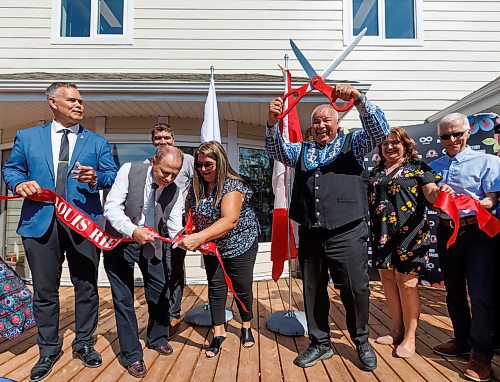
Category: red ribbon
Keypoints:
(85, 226)
(451, 204)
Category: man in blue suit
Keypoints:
(64, 157)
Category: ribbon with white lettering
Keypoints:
(85, 226)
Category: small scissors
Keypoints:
(318, 81)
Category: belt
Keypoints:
(465, 221)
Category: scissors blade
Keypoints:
(342, 55)
(303, 61)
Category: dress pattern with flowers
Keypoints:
(241, 237)
(399, 225)
(16, 303)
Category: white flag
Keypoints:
(210, 130)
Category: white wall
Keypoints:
(459, 54)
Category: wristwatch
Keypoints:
(360, 99)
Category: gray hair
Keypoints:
(53, 89)
(166, 150)
(324, 106)
(449, 118)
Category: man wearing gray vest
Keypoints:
(163, 134)
(143, 195)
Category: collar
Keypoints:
(57, 127)
(460, 157)
(328, 145)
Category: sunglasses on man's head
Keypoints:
(458, 134)
(206, 165)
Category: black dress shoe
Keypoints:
(164, 349)
(312, 355)
(367, 356)
(89, 356)
(43, 367)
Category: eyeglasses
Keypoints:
(206, 165)
(458, 134)
(392, 143)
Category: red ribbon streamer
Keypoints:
(451, 204)
(85, 226)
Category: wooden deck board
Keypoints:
(270, 360)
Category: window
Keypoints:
(92, 21)
(256, 168)
(388, 22)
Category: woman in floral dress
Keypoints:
(221, 202)
(399, 187)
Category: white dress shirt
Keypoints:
(56, 130)
(115, 205)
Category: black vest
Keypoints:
(330, 196)
(134, 201)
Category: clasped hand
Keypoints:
(190, 242)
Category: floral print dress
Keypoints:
(399, 225)
(241, 237)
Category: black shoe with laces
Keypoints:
(43, 367)
(312, 355)
(89, 356)
(366, 356)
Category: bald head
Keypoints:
(173, 154)
(167, 162)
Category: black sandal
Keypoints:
(246, 336)
(215, 346)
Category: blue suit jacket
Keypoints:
(31, 159)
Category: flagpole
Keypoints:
(200, 315)
(289, 234)
(288, 322)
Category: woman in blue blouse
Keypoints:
(220, 200)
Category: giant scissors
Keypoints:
(318, 81)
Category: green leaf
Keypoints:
(489, 141)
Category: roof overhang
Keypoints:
(241, 98)
(485, 99)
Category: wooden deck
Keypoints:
(270, 360)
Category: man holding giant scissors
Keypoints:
(329, 201)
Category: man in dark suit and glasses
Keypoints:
(65, 157)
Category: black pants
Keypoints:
(45, 257)
(496, 340)
(240, 270)
(469, 266)
(175, 266)
(119, 265)
(342, 252)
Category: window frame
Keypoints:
(347, 11)
(264, 246)
(95, 39)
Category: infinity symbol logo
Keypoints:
(425, 140)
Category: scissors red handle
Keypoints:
(298, 93)
(319, 84)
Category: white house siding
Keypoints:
(459, 53)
